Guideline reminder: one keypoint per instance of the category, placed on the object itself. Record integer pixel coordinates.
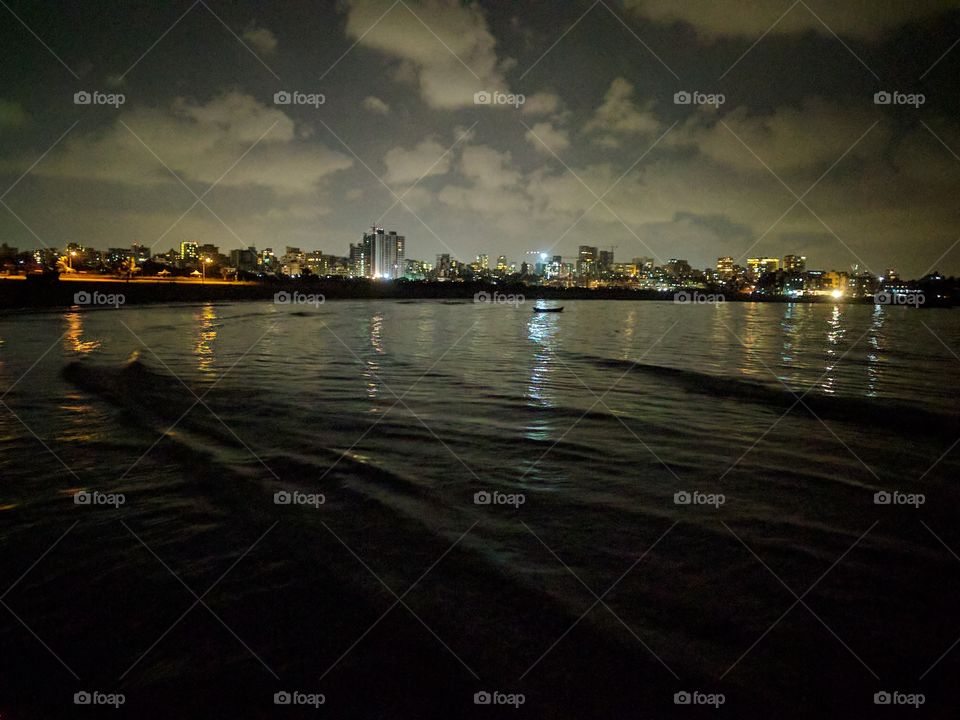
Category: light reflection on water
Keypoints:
(630, 323)
(836, 332)
(789, 326)
(839, 349)
(372, 370)
(873, 359)
(73, 340)
(206, 335)
(495, 403)
(542, 329)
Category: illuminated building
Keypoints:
(586, 261)
(794, 263)
(443, 267)
(678, 268)
(359, 260)
(416, 269)
(293, 262)
(208, 250)
(267, 261)
(835, 280)
(385, 253)
(604, 260)
(758, 266)
(189, 251)
(725, 267)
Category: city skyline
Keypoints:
(480, 130)
(381, 255)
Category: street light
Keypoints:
(203, 269)
(73, 254)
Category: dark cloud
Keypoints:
(584, 160)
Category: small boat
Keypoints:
(553, 309)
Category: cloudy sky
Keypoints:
(784, 150)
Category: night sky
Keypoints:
(799, 158)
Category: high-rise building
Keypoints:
(794, 263)
(140, 253)
(586, 260)
(211, 251)
(245, 260)
(386, 252)
(678, 268)
(444, 267)
(502, 266)
(835, 280)
(758, 266)
(416, 269)
(359, 260)
(189, 251)
(267, 261)
(293, 262)
(604, 260)
(554, 268)
(725, 267)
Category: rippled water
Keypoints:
(598, 596)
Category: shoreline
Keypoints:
(52, 293)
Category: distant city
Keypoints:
(380, 255)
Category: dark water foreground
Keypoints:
(398, 596)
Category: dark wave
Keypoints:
(396, 523)
(889, 414)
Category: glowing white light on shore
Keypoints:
(837, 294)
